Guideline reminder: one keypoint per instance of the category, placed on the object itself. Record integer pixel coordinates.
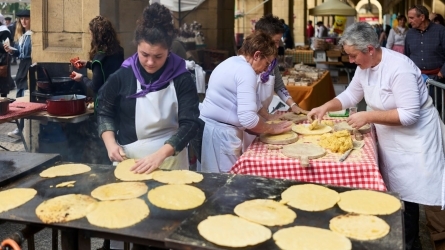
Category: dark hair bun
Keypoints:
(157, 16)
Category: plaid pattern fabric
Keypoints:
(359, 170)
(305, 56)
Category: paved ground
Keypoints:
(43, 238)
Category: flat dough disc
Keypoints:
(265, 212)
(64, 208)
(177, 177)
(359, 226)
(232, 231)
(15, 197)
(345, 126)
(310, 197)
(304, 237)
(298, 150)
(303, 129)
(176, 197)
(290, 116)
(368, 202)
(66, 184)
(120, 191)
(118, 213)
(285, 138)
(122, 172)
(65, 170)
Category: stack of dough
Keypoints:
(337, 142)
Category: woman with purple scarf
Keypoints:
(148, 109)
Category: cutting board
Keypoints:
(304, 152)
(303, 129)
(345, 126)
(292, 117)
(281, 139)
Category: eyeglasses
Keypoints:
(268, 62)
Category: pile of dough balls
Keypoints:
(337, 142)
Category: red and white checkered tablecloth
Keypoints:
(359, 170)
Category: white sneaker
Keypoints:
(14, 134)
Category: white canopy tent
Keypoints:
(333, 8)
(180, 5)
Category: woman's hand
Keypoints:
(76, 76)
(148, 164)
(7, 48)
(297, 110)
(279, 128)
(81, 63)
(357, 120)
(115, 152)
(316, 113)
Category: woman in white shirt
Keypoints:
(232, 103)
(409, 130)
(396, 38)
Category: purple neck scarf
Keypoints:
(175, 66)
(265, 75)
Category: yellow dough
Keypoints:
(177, 177)
(231, 231)
(310, 197)
(337, 142)
(359, 226)
(368, 202)
(314, 125)
(66, 184)
(15, 197)
(265, 212)
(120, 191)
(65, 170)
(303, 237)
(284, 138)
(303, 129)
(176, 197)
(64, 208)
(118, 213)
(122, 172)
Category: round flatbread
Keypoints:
(303, 129)
(177, 177)
(123, 172)
(303, 237)
(118, 213)
(176, 197)
(368, 202)
(120, 191)
(359, 226)
(64, 208)
(310, 197)
(298, 150)
(265, 212)
(65, 170)
(232, 231)
(292, 117)
(284, 138)
(15, 197)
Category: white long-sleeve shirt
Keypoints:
(402, 84)
(232, 94)
(396, 38)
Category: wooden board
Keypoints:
(292, 117)
(304, 152)
(281, 139)
(304, 130)
(345, 126)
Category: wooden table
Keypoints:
(317, 94)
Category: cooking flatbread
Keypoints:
(118, 213)
(177, 177)
(65, 170)
(176, 197)
(284, 138)
(359, 226)
(303, 129)
(345, 126)
(310, 197)
(64, 208)
(368, 202)
(232, 231)
(15, 197)
(122, 172)
(120, 191)
(265, 212)
(303, 237)
(66, 184)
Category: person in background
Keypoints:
(409, 130)
(11, 26)
(310, 32)
(23, 52)
(396, 37)
(231, 104)
(148, 109)
(322, 31)
(4, 59)
(287, 36)
(105, 56)
(384, 36)
(438, 19)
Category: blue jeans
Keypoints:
(20, 93)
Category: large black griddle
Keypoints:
(153, 230)
(242, 187)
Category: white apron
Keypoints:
(411, 158)
(221, 146)
(265, 94)
(156, 120)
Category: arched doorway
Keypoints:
(375, 6)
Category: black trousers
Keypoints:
(411, 219)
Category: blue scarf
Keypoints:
(265, 75)
(175, 66)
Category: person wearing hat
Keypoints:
(23, 52)
(11, 26)
(5, 71)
